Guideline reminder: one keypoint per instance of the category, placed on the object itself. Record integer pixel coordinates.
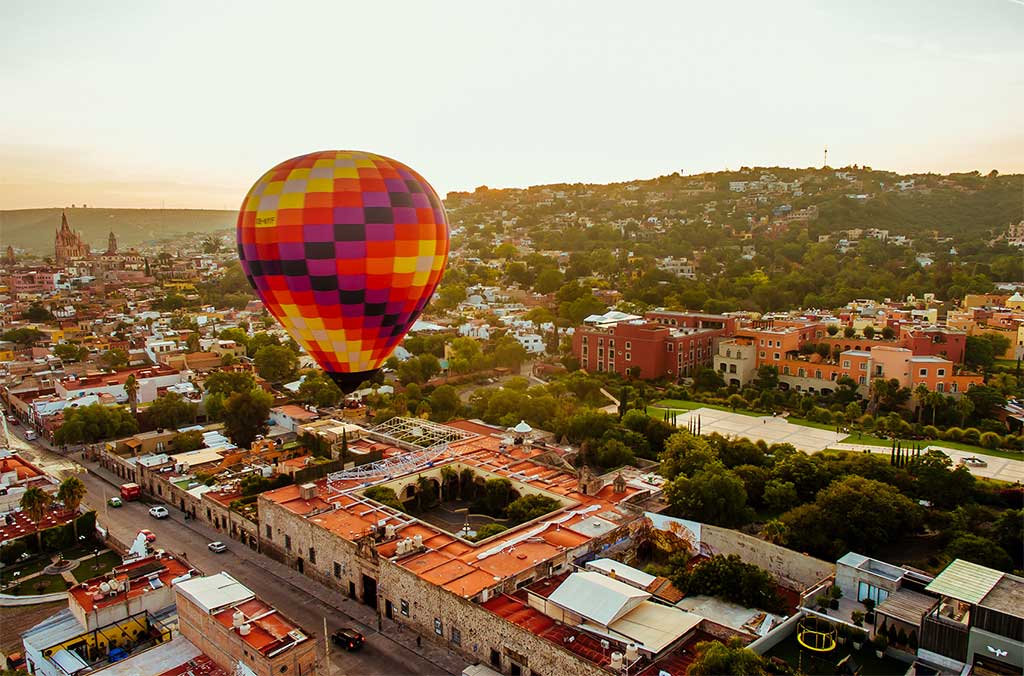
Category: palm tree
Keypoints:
(131, 388)
(71, 492)
(935, 399)
(921, 393)
(775, 531)
(965, 407)
(34, 502)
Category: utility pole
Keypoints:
(327, 649)
(825, 163)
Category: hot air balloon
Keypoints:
(345, 248)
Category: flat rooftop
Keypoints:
(1007, 596)
(133, 579)
(463, 567)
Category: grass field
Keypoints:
(681, 405)
(41, 584)
(88, 568)
(862, 438)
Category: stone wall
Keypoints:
(793, 569)
(463, 626)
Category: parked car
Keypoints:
(12, 420)
(973, 461)
(217, 547)
(115, 501)
(348, 638)
(159, 512)
(30, 435)
(150, 535)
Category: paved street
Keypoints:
(391, 651)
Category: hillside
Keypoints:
(33, 229)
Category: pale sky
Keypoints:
(185, 104)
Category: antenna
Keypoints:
(825, 163)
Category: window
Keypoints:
(728, 354)
(941, 387)
(668, 347)
(776, 356)
(864, 366)
(611, 343)
(721, 367)
(288, 542)
(600, 341)
(846, 363)
(456, 636)
(495, 658)
(817, 374)
(762, 354)
(941, 372)
(269, 532)
(337, 569)
(438, 626)
(862, 380)
(732, 368)
(923, 372)
(403, 607)
(785, 370)
(953, 387)
(628, 356)
(312, 555)
(629, 346)
(801, 372)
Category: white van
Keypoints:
(30, 435)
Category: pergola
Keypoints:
(425, 442)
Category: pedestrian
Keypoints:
(419, 642)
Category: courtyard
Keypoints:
(773, 430)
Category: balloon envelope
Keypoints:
(345, 248)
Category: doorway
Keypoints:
(389, 609)
(369, 591)
(300, 565)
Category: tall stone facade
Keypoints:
(68, 244)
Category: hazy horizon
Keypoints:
(185, 105)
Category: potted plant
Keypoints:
(857, 617)
(842, 632)
(857, 637)
(836, 594)
(880, 643)
(822, 602)
(869, 606)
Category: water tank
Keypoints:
(417, 541)
(616, 664)
(632, 653)
(105, 587)
(244, 629)
(389, 531)
(237, 619)
(400, 548)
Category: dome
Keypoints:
(522, 428)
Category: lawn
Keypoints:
(681, 405)
(33, 565)
(861, 438)
(90, 567)
(51, 584)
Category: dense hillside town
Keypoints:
(622, 400)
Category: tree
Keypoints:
(131, 388)
(851, 514)
(713, 495)
(980, 550)
(715, 658)
(849, 332)
(171, 411)
(34, 502)
(937, 481)
(276, 363)
(187, 441)
(23, 336)
(506, 351)
(530, 507)
(767, 378)
(445, 403)
(115, 358)
(986, 401)
(246, 416)
(780, 495)
(228, 382)
(37, 313)
(319, 390)
(736, 401)
(775, 531)
(685, 454)
(982, 350)
(832, 329)
(1008, 530)
(96, 422)
(708, 379)
(71, 492)
(548, 281)
(869, 332)
(888, 333)
(70, 352)
(488, 530)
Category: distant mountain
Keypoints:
(33, 229)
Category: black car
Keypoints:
(349, 639)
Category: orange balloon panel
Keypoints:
(345, 248)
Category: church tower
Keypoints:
(67, 243)
(111, 244)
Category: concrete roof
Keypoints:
(965, 581)
(654, 626)
(1007, 596)
(627, 574)
(597, 597)
(214, 591)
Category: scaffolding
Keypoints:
(425, 442)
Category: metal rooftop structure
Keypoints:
(425, 442)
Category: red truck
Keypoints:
(130, 492)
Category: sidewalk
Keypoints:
(363, 615)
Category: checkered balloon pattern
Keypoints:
(345, 248)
